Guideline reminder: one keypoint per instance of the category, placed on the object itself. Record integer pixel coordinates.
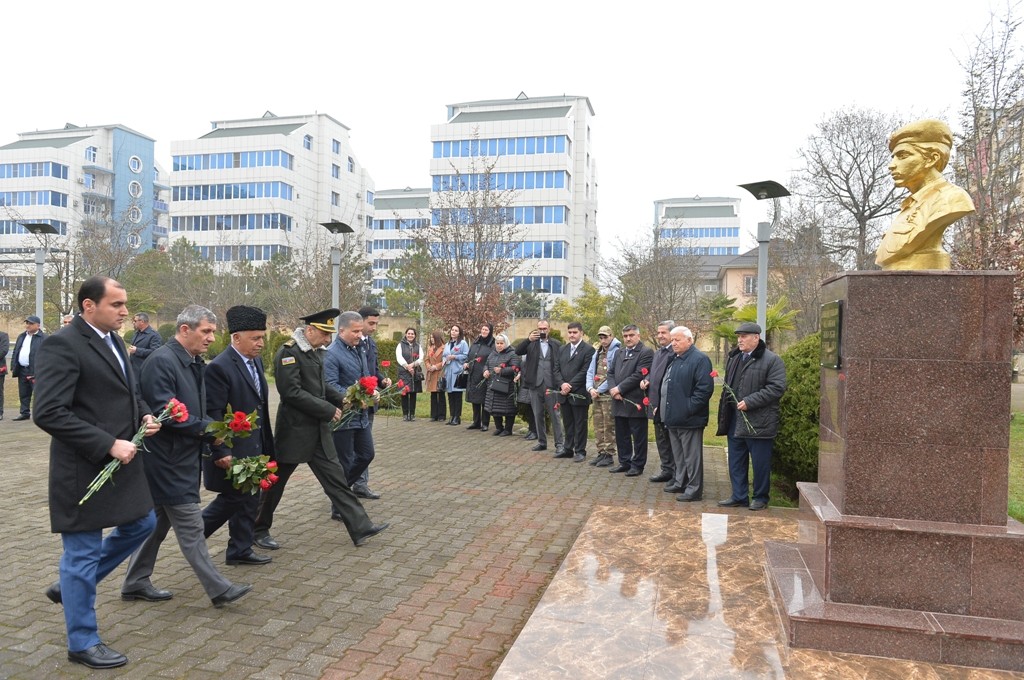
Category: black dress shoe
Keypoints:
(619, 468)
(503, 433)
(579, 458)
(363, 491)
(562, 454)
(24, 417)
(267, 542)
(634, 472)
(732, 503)
(672, 488)
(372, 531)
(530, 436)
(474, 426)
(98, 656)
(147, 593)
(608, 461)
(661, 477)
(233, 593)
(497, 433)
(457, 421)
(483, 428)
(539, 447)
(758, 505)
(252, 558)
(53, 593)
(597, 459)
(687, 499)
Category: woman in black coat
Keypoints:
(476, 389)
(502, 365)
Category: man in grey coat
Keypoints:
(748, 413)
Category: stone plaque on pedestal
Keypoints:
(905, 547)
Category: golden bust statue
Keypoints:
(920, 152)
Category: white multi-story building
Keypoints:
(102, 177)
(539, 148)
(397, 214)
(254, 188)
(703, 226)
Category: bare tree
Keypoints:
(847, 161)
(990, 155)
(462, 263)
(658, 279)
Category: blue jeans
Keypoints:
(88, 558)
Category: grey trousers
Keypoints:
(541, 404)
(187, 520)
(688, 455)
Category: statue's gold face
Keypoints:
(909, 167)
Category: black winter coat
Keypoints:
(497, 403)
(760, 383)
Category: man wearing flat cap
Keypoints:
(308, 406)
(748, 414)
(920, 152)
(235, 379)
(23, 363)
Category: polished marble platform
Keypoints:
(678, 594)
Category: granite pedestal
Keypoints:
(905, 549)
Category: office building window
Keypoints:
(307, 142)
(351, 164)
(336, 171)
(90, 154)
(335, 146)
(335, 198)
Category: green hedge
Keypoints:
(796, 446)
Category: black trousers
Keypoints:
(661, 438)
(574, 420)
(409, 404)
(481, 416)
(631, 441)
(455, 404)
(238, 510)
(504, 422)
(25, 394)
(437, 406)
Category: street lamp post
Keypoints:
(542, 293)
(762, 191)
(41, 229)
(336, 228)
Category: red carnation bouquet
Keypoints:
(235, 425)
(363, 394)
(252, 474)
(174, 410)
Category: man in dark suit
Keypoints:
(144, 342)
(371, 317)
(87, 403)
(572, 362)
(235, 378)
(652, 386)
(173, 462)
(23, 363)
(539, 378)
(632, 364)
(308, 406)
(5, 346)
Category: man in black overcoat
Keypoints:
(572, 362)
(86, 401)
(631, 365)
(235, 377)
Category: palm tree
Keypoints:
(775, 319)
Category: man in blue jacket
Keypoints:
(684, 395)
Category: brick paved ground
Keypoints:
(479, 527)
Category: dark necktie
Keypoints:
(255, 376)
(117, 355)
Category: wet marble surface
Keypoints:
(681, 594)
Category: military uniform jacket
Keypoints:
(307, 402)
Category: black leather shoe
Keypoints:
(233, 593)
(661, 477)
(503, 433)
(267, 542)
(758, 505)
(597, 459)
(687, 499)
(363, 491)
(252, 558)
(619, 468)
(497, 433)
(607, 462)
(24, 417)
(474, 426)
(539, 447)
(53, 593)
(732, 503)
(634, 472)
(457, 421)
(336, 516)
(530, 436)
(98, 656)
(147, 593)
(562, 454)
(483, 428)
(672, 488)
(579, 458)
(372, 531)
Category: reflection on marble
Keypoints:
(683, 594)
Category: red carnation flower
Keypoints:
(400, 383)
(644, 371)
(639, 407)
(368, 383)
(271, 465)
(235, 425)
(714, 373)
(178, 410)
(479, 359)
(246, 425)
(501, 366)
(647, 402)
(265, 484)
(556, 407)
(385, 364)
(272, 478)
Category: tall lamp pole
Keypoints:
(762, 191)
(336, 228)
(542, 293)
(40, 228)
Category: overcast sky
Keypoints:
(691, 98)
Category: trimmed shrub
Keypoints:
(796, 446)
(166, 331)
(274, 341)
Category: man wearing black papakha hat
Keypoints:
(235, 377)
(308, 405)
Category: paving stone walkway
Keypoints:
(480, 525)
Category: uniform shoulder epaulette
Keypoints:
(289, 343)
